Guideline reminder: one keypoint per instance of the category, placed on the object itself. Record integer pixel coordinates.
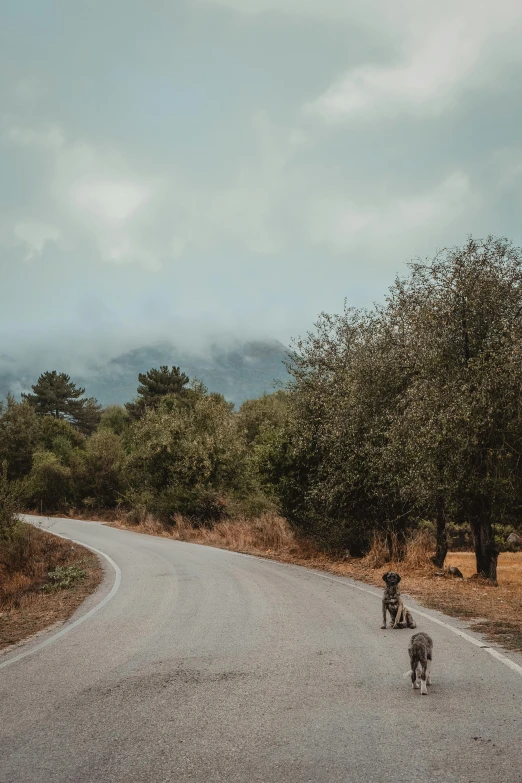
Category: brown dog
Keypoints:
(392, 603)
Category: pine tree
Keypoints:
(56, 395)
(154, 385)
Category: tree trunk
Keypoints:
(486, 551)
(442, 536)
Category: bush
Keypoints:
(9, 504)
(49, 483)
(63, 577)
(187, 456)
(97, 474)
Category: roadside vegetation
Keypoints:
(42, 578)
(401, 423)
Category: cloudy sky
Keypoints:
(187, 168)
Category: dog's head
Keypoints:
(391, 578)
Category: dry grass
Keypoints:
(495, 611)
(25, 608)
(268, 535)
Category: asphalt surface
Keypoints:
(210, 666)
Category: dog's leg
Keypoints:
(409, 619)
(383, 626)
(428, 672)
(400, 611)
(424, 690)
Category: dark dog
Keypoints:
(421, 652)
(392, 603)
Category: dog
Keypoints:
(392, 603)
(421, 653)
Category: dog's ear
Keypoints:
(398, 578)
(385, 576)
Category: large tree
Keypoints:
(412, 410)
(154, 386)
(54, 394)
(460, 422)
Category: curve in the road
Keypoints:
(208, 666)
(51, 639)
(71, 626)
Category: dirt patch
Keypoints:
(50, 582)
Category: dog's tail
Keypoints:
(408, 674)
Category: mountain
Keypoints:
(240, 371)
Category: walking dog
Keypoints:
(421, 652)
(392, 603)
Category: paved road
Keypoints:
(210, 666)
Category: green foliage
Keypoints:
(412, 410)
(19, 437)
(266, 413)
(14, 544)
(54, 432)
(98, 473)
(187, 457)
(56, 395)
(63, 577)
(9, 505)
(49, 483)
(115, 418)
(154, 385)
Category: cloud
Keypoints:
(428, 80)
(92, 194)
(46, 137)
(459, 48)
(344, 224)
(329, 9)
(113, 200)
(34, 236)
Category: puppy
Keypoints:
(392, 603)
(421, 652)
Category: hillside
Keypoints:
(241, 371)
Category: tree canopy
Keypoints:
(154, 385)
(54, 394)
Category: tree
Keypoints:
(114, 418)
(154, 385)
(56, 395)
(345, 390)
(97, 474)
(88, 415)
(187, 458)
(461, 412)
(49, 483)
(19, 437)
(412, 410)
(257, 414)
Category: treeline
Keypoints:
(175, 449)
(404, 415)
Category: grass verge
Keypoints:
(42, 581)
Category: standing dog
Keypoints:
(392, 603)
(421, 651)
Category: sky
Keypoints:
(191, 169)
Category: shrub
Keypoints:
(49, 482)
(63, 577)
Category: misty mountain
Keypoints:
(240, 371)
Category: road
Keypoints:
(210, 666)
